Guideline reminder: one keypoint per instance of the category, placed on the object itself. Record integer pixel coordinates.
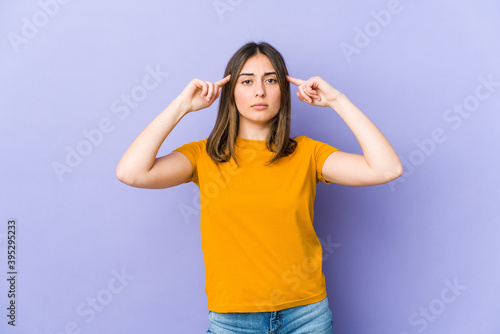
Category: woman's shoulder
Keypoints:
(307, 139)
(195, 145)
(313, 144)
(199, 142)
(303, 143)
(303, 139)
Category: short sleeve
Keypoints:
(193, 151)
(321, 151)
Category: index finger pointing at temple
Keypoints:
(295, 81)
(224, 81)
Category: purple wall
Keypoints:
(80, 79)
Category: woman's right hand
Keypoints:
(200, 94)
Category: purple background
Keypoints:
(390, 251)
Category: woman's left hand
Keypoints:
(315, 91)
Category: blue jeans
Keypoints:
(313, 318)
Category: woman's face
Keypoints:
(257, 93)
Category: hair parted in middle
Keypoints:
(222, 139)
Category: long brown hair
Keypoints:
(222, 139)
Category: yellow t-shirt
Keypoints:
(260, 249)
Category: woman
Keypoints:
(263, 260)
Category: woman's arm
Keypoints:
(379, 162)
(139, 166)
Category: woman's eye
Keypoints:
(246, 82)
(271, 80)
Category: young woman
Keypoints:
(263, 260)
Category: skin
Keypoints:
(257, 95)
(379, 163)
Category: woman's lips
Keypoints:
(259, 106)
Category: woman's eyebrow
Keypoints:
(251, 74)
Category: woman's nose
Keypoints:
(260, 89)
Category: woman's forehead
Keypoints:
(257, 64)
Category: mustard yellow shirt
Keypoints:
(260, 249)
